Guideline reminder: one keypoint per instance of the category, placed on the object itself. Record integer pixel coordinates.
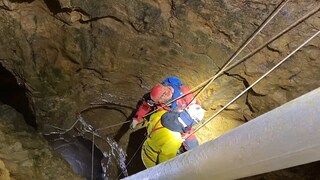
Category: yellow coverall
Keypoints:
(161, 144)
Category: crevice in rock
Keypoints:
(14, 95)
(173, 8)
(96, 71)
(53, 5)
(228, 36)
(142, 83)
(245, 82)
(79, 10)
(102, 17)
(273, 49)
(172, 16)
(284, 88)
(293, 77)
(250, 92)
(134, 27)
(249, 104)
(5, 7)
(245, 119)
(92, 45)
(105, 102)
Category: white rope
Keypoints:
(135, 153)
(218, 112)
(92, 156)
(99, 129)
(222, 70)
(210, 80)
(274, 38)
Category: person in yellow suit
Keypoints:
(164, 133)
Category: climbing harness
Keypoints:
(155, 128)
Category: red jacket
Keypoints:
(181, 104)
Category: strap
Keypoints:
(154, 128)
(181, 121)
(145, 152)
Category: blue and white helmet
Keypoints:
(196, 112)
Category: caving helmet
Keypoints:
(161, 93)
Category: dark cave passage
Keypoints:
(15, 96)
(77, 152)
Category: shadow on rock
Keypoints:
(134, 151)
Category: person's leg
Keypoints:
(147, 161)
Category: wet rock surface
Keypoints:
(25, 154)
(77, 152)
(71, 55)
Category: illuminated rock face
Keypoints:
(68, 54)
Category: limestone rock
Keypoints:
(24, 154)
(71, 54)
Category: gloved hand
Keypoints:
(133, 124)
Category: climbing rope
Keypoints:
(282, 61)
(85, 128)
(206, 83)
(202, 86)
(135, 153)
(100, 129)
(226, 67)
(222, 70)
(62, 131)
(274, 38)
(92, 155)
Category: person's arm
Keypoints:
(143, 109)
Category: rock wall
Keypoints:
(24, 153)
(69, 54)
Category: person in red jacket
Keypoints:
(162, 93)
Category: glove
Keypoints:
(133, 124)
